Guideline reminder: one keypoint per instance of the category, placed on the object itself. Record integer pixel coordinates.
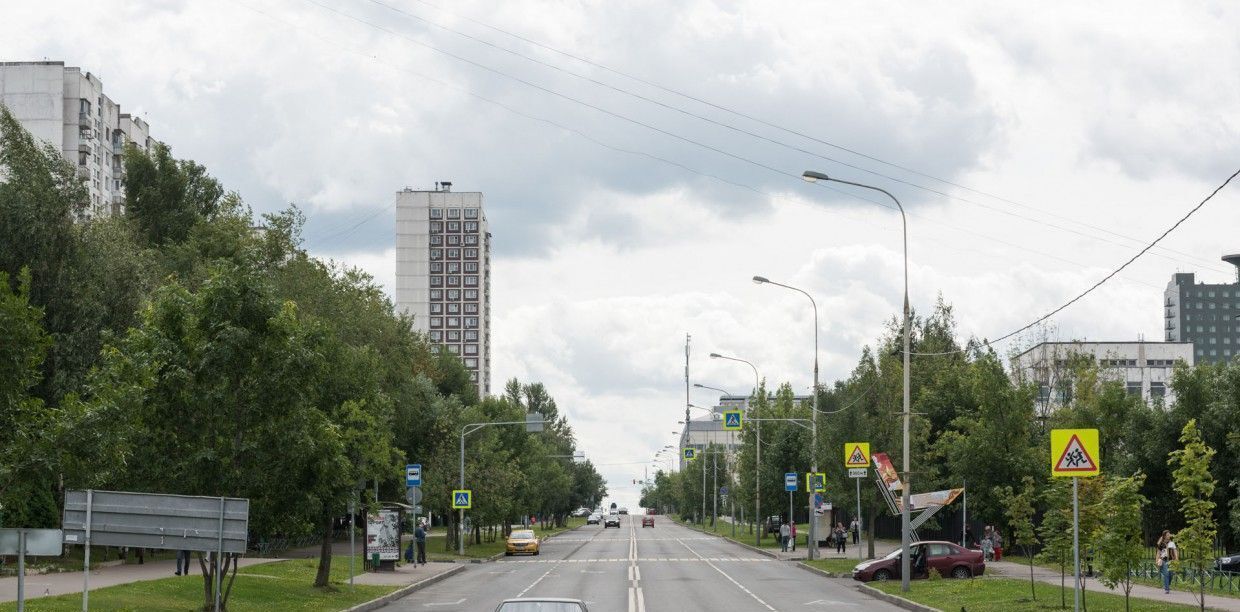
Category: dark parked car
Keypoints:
(1230, 563)
(950, 560)
(612, 520)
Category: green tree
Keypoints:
(1055, 531)
(1119, 537)
(1195, 486)
(167, 197)
(1019, 509)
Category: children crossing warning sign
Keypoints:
(1074, 452)
(857, 455)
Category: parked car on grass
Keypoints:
(950, 560)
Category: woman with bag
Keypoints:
(1167, 552)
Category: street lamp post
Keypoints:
(905, 529)
(727, 463)
(757, 458)
(812, 548)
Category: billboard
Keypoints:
(383, 535)
(921, 501)
(887, 472)
(153, 520)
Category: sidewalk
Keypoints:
(42, 585)
(881, 547)
(1008, 569)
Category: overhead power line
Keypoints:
(1203, 263)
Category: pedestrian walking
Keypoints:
(855, 528)
(784, 532)
(792, 533)
(996, 540)
(840, 540)
(1167, 552)
(419, 536)
(182, 562)
(970, 540)
(988, 549)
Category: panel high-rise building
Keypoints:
(443, 273)
(1208, 315)
(66, 108)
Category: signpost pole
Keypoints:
(964, 522)
(1076, 549)
(352, 536)
(858, 480)
(219, 557)
(791, 519)
(21, 570)
(714, 485)
(86, 556)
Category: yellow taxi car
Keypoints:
(522, 541)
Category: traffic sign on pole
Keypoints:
(413, 475)
(1074, 452)
(462, 499)
(857, 455)
(790, 481)
(732, 420)
(856, 472)
(690, 453)
(817, 482)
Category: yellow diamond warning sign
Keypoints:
(1074, 452)
(857, 455)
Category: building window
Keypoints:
(471, 226)
(473, 376)
(471, 213)
(454, 281)
(471, 266)
(436, 213)
(454, 308)
(454, 240)
(436, 226)
(436, 336)
(454, 213)
(471, 280)
(471, 335)
(1134, 388)
(454, 336)
(437, 308)
(454, 226)
(436, 240)
(436, 281)
(471, 294)
(454, 253)
(471, 239)
(454, 321)
(454, 267)
(471, 362)
(471, 253)
(471, 349)
(436, 294)
(454, 294)
(455, 349)
(1213, 353)
(1158, 390)
(471, 308)
(436, 267)
(436, 253)
(436, 321)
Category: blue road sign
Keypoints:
(462, 499)
(690, 453)
(732, 420)
(723, 490)
(790, 481)
(413, 475)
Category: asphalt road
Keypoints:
(668, 568)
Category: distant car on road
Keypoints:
(648, 520)
(624, 510)
(949, 559)
(542, 604)
(580, 512)
(522, 541)
(594, 519)
(613, 520)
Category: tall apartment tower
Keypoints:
(62, 106)
(1206, 315)
(443, 273)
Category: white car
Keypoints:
(594, 519)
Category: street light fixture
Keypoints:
(905, 529)
(757, 458)
(813, 448)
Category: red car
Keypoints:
(648, 520)
(950, 560)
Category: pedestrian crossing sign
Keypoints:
(817, 482)
(462, 499)
(857, 455)
(1074, 452)
(690, 453)
(732, 420)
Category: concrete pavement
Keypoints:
(669, 567)
(42, 585)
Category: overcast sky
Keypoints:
(1034, 151)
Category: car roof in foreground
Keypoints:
(531, 603)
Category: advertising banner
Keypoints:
(383, 535)
(887, 472)
(921, 501)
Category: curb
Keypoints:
(821, 572)
(895, 599)
(403, 591)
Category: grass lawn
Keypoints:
(744, 536)
(1008, 594)
(1218, 589)
(282, 585)
(435, 543)
(835, 566)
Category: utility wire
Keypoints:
(1204, 263)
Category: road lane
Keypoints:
(668, 568)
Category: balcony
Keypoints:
(1170, 325)
(84, 119)
(1169, 303)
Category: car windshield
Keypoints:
(523, 534)
(540, 606)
